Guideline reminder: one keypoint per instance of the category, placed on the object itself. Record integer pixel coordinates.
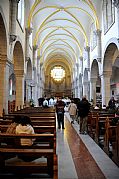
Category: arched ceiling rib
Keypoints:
(62, 27)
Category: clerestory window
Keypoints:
(20, 13)
(108, 14)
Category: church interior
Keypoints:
(59, 49)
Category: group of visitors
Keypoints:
(81, 109)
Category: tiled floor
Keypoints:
(79, 157)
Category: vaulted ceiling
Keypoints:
(61, 28)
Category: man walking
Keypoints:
(83, 110)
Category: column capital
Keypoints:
(98, 32)
(116, 3)
(27, 59)
(38, 57)
(81, 58)
(29, 30)
(106, 74)
(87, 48)
(19, 73)
(99, 59)
(41, 64)
(12, 38)
(35, 47)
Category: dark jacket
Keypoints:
(60, 106)
(83, 108)
(111, 104)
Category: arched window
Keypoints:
(58, 73)
(108, 14)
(20, 14)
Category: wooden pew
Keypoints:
(37, 129)
(112, 141)
(34, 123)
(100, 127)
(35, 110)
(7, 151)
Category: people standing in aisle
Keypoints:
(51, 102)
(83, 110)
(112, 105)
(45, 102)
(72, 111)
(60, 113)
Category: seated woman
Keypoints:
(25, 127)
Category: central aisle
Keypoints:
(75, 161)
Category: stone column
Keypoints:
(28, 97)
(73, 89)
(74, 81)
(35, 76)
(38, 75)
(19, 88)
(93, 89)
(105, 86)
(28, 32)
(86, 89)
(41, 80)
(13, 20)
(4, 85)
(35, 55)
(80, 91)
(87, 49)
(99, 44)
(81, 63)
(77, 79)
(116, 4)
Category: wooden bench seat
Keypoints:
(38, 129)
(40, 122)
(42, 138)
(9, 151)
(27, 167)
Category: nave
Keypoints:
(79, 157)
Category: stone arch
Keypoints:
(109, 57)
(18, 58)
(4, 69)
(57, 89)
(110, 70)
(3, 37)
(18, 62)
(86, 88)
(94, 69)
(29, 70)
(95, 83)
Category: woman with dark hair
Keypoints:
(25, 127)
